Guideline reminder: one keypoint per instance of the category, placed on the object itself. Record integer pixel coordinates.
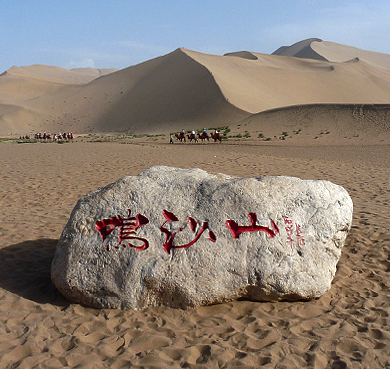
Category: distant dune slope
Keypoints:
(301, 49)
(16, 89)
(339, 53)
(243, 54)
(29, 95)
(327, 122)
(57, 74)
(275, 81)
(315, 48)
(186, 89)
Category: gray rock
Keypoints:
(186, 238)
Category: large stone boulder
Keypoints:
(186, 238)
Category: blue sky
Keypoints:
(104, 34)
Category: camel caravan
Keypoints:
(64, 136)
(196, 137)
(48, 137)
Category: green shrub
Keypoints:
(26, 141)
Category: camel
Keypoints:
(204, 136)
(180, 137)
(216, 137)
(192, 137)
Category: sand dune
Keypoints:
(340, 53)
(315, 48)
(185, 89)
(57, 74)
(301, 49)
(320, 124)
(243, 54)
(275, 81)
(178, 90)
(158, 95)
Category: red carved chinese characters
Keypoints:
(170, 237)
(236, 230)
(127, 229)
(290, 228)
(129, 226)
(290, 231)
(300, 238)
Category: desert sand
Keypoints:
(347, 327)
(315, 110)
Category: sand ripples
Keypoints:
(348, 327)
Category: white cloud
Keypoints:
(115, 54)
(85, 63)
(352, 24)
(138, 46)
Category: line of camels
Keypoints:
(201, 136)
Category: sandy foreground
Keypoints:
(347, 327)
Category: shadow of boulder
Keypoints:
(25, 270)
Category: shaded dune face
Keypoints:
(244, 55)
(176, 89)
(188, 89)
(301, 49)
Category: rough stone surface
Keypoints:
(263, 239)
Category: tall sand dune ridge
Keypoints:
(173, 91)
(189, 89)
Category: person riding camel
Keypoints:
(182, 133)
